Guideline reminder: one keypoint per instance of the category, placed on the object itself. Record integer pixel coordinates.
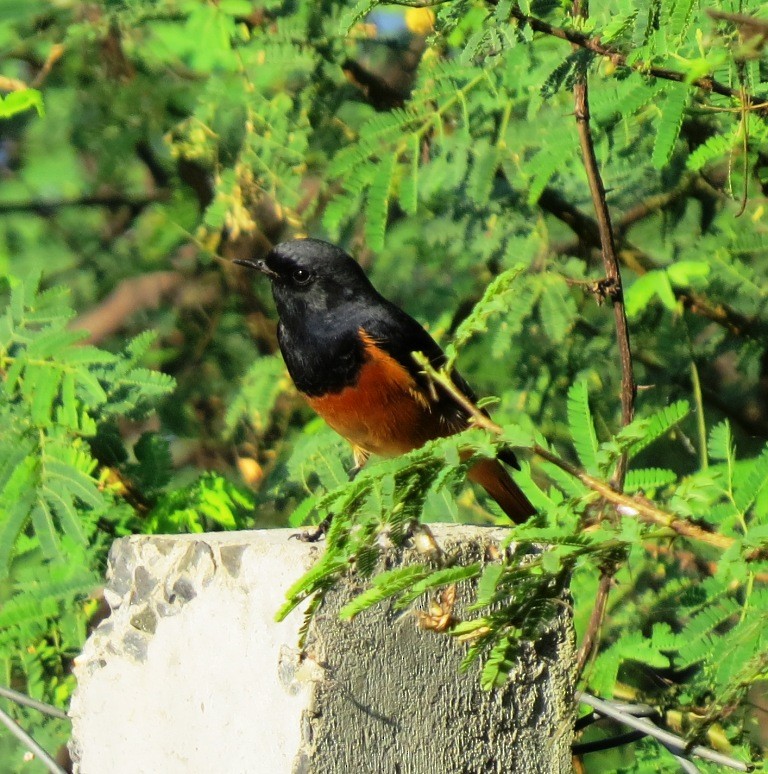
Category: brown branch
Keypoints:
(616, 290)
(11, 84)
(14, 84)
(56, 52)
(610, 261)
(639, 507)
(580, 40)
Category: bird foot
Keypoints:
(312, 536)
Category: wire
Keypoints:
(28, 701)
(30, 744)
(675, 744)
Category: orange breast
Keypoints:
(385, 412)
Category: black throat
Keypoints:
(322, 351)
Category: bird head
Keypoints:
(310, 275)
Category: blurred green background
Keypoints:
(143, 145)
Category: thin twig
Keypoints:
(639, 507)
(674, 743)
(596, 618)
(56, 52)
(616, 293)
(698, 399)
(109, 200)
(11, 84)
(30, 744)
(28, 701)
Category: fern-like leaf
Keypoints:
(499, 663)
(646, 479)
(377, 204)
(494, 301)
(385, 585)
(644, 431)
(715, 147)
(582, 426)
(668, 127)
(748, 491)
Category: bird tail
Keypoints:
(493, 477)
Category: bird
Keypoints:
(349, 351)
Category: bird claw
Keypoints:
(312, 536)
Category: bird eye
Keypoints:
(301, 276)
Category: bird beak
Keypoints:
(259, 265)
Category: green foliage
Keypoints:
(19, 101)
(582, 427)
(210, 503)
(53, 393)
(453, 171)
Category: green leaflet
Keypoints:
(259, 389)
(632, 647)
(747, 492)
(486, 159)
(668, 127)
(643, 431)
(495, 300)
(646, 479)
(377, 202)
(582, 426)
(498, 664)
(720, 443)
(714, 147)
(436, 579)
(19, 101)
(385, 585)
(53, 394)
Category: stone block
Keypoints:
(190, 673)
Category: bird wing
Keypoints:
(399, 335)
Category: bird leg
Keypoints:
(361, 457)
(312, 536)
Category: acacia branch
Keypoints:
(596, 618)
(627, 505)
(580, 40)
(616, 293)
(610, 261)
(638, 507)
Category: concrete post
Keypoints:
(191, 674)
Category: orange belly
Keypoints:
(385, 412)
